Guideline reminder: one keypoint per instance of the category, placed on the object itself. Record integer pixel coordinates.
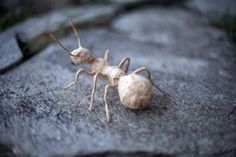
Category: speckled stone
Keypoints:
(195, 67)
(10, 53)
(214, 9)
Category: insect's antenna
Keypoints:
(76, 32)
(60, 44)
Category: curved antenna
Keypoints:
(54, 38)
(76, 32)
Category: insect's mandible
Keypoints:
(134, 90)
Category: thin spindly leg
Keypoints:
(106, 55)
(149, 76)
(94, 89)
(125, 61)
(77, 77)
(105, 100)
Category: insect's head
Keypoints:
(79, 55)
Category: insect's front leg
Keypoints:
(94, 89)
(149, 76)
(126, 62)
(77, 77)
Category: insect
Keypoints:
(134, 90)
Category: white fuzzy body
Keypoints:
(135, 91)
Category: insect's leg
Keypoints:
(125, 61)
(149, 76)
(105, 100)
(77, 77)
(94, 89)
(106, 55)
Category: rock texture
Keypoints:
(214, 9)
(10, 53)
(193, 62)
(34, 31)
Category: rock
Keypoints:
(59, 19)
(35, 7)
(214, 9)
(138, 3)
(126, 1)
(158, 26)
(197, 118)
(34, 31)
(10, 53)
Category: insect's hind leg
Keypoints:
(105, 100)
(125, 61)
(94, 89)
(77, 77)
(149, 76)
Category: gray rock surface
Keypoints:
(10, 53)
(193, 62)
(126, 1)
(55, 20)
(213, 8)
(34, 31)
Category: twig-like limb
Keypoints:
(106, 55)
(149, 76)
(125, 61)
(77, 77)
(94, 89)
(105, 100)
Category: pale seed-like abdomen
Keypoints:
(135, 91)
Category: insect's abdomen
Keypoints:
(135, 91)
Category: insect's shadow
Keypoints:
(158, 105)
(157, 108)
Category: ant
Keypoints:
(134, 90)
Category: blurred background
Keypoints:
(221, 12)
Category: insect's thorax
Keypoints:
(98, 65)
(113, 73)
(107, 72)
